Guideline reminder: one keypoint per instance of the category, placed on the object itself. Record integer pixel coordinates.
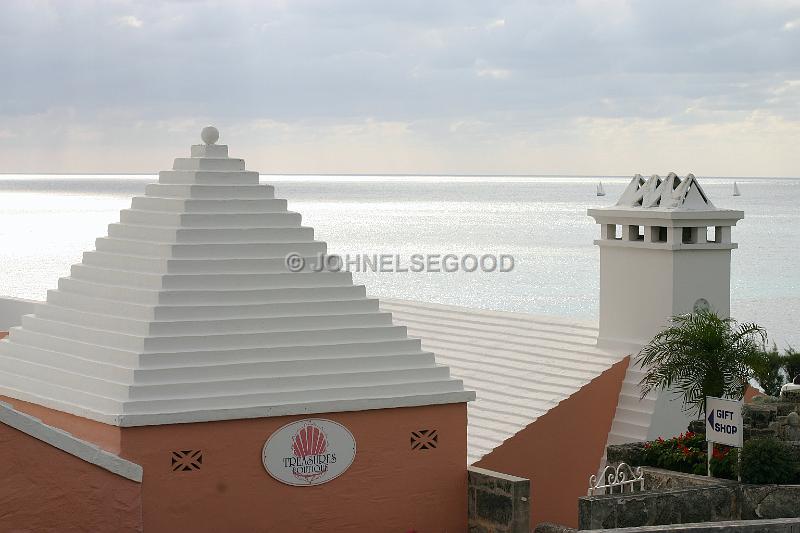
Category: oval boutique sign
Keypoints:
(312, 451)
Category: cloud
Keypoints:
(505, 71)
(128, 21)
(496, 24)
(483, 70)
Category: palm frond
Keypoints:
(702, 354)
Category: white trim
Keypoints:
(69, 443)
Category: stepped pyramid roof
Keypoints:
(671, 193)
(187, 312)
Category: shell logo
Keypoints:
(309, 452)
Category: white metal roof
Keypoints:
(520, 366)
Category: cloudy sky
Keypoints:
(413, 86)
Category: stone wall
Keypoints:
(674, 497)
(740, 526)
(659, 479)
(549, 527)
(771, 417)
(498, 503)
(680, 506)
(770, 501)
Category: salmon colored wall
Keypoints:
(750, 393)
(105, 436)
(562, 448)
(3, 334)
(44, 489)
(389, 487)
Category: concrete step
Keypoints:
(79, 365)
(209, 192)
(325, 366)
(155, 411)
(108, 307)
(219, 326)
(161, 265)
(223, 371)
(186, 389)
(248, 236)
(336, 393)
(180, 205)
(208, 177)
(621, 427)
(621, 438)
(130, 358)
(145, 280)
(632, 400)
(208, 163)
(209, 297)
(209, 341)
(286, 219)
(634, 416)
(271, 250)
(36, 339)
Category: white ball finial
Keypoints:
(210, 135)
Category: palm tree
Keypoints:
(702, 354)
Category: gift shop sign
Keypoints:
(724, 421)
(309, 452)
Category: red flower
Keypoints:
(720, 454)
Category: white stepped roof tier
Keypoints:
(520, 365)
(186, 312)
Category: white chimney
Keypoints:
(664, 250)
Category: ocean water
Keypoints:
(47, 221)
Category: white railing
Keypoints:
(622, 476)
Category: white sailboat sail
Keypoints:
(600, 190)
(736, 189)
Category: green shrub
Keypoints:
(684, 453)
(767, 461)
(792, 363)
(724, 462)
(770, 373)
(687, 453)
